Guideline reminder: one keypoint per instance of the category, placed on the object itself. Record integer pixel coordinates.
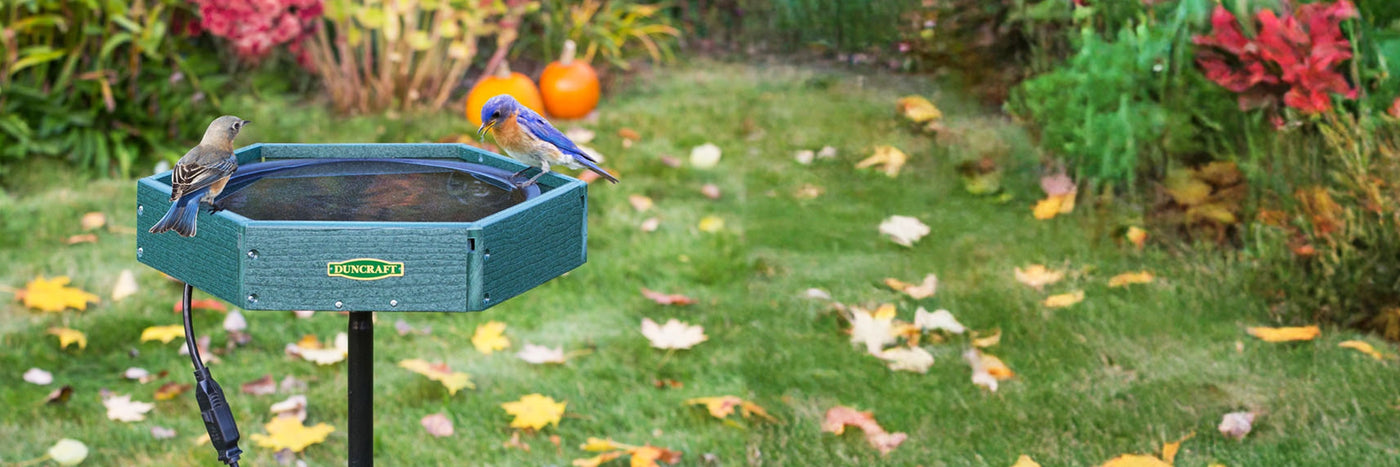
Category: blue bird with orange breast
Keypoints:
(529, 138)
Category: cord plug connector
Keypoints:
(218, 417)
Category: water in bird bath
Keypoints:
(370, 191)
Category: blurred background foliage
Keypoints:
(1141, 100)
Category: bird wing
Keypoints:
(199, 168)
(546, 132)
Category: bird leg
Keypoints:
(543, 170)
(517, 174)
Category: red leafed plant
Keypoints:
(1296, 58)
(257, 26)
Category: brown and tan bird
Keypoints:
(201, 175)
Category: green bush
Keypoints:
(101, 84)
(1120, 107)
(615, 32)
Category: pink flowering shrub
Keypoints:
(1297, 58)
(256, 27)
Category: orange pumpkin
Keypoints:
(570, 87)
(519, 86)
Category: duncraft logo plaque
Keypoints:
(364, 269)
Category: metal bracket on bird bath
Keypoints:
(370, 227)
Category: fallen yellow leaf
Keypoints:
(93, 220)
(68, 336)
(534, 411)
(711, 224)
(600, 445)
(1038, 276)
(987, 341)
(290, 433)
(1064, 299)
(917, 109)
(164, 334)
(1169, 450)
(1363, 348)
(889, 158)
(170, 391)
(1285, 334)
(1053, 205)
(1135, 460)
(994, 366)
(452, 380)
(1137, 236)
(1129, 278)
(1025, 461)
(54, 295)
(598, 460)
(646, 456)
(723, 406)
(490, 337)
(919, 291)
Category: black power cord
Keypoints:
(213, 407)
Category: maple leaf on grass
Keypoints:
(1064, 299)
(839, 417)
(919, 291)
(68, 336)
(874, 329)
(312, 350)
(914, 359)
(939, 320)
(722, 406)
(534, 411)
(67, 452)
(293, 407)
(1285, 334)
(164, 334)
(54, 295)
(539, 354)
(917, 109)
(672, 335)
(490, 337)
(260, 387)
(38, 376)
(437, 424)
(1052, 206)
(170, 391)
(889, 158)
(1038, 276)
(1235, 425)
(122, 408)
(987, 370)
(201, 304)
(1025, 461)
(1362, 347)
(125, 286)
(710, 224)
(666, 299)
(452, 380)
(904, 230)
(290, 433)
(1129, 278)
(980, 341)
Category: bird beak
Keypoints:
(481, 132)
(245, 122)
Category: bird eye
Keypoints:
(496, 114)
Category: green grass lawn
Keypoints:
(1122, 372)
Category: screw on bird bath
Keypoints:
(394, 303)
(252, 298)
(339, 304)
(140, 251)
(252, 254)
(140, 209)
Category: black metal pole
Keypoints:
(360, 381)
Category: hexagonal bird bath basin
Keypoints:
(370, 227)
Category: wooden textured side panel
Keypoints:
(288, 270)
(360, 151)
(208, 260)
(535, 245)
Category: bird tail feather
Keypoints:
(594, 167)
(181, 218)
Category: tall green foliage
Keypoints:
(1127, 104)
(99, 83)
